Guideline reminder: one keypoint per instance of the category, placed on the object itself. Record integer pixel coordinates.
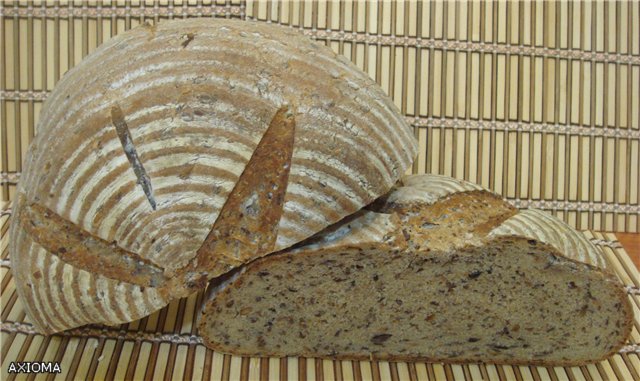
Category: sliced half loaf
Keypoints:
(439, 270)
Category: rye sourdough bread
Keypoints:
(438, 270)
(176, 152)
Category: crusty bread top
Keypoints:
(417, 193)
(196, 107)
(545, 228)
(532, 223)
(427, 189)
(360, 230)
(141, 144)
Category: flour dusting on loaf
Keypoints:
(427, 190)
(361, 229)
(548, 229)
(197, 97)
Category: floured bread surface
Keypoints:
(498, 295)
(161, 133)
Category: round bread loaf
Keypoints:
(176, 152)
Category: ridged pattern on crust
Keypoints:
(536, 224)
(531, 223)
(365, 228)
(196, 111)
(427, 189)
(56, 295)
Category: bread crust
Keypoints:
(144, 141)
(246, 227)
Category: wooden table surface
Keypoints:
(631, 244)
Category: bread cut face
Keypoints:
(174, 153)
(439, 270)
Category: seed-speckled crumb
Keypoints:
(452, 287)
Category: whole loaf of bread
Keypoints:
(438, 270)
(176, 152)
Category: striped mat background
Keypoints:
(537, 101)
(166, 346)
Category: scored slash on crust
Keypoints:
(329, 181)
(117, 118)
(85, 251)
(247, 226)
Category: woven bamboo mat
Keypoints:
(538, 101)
(166, 346)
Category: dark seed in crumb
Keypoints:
(380, 339)
(474, 274)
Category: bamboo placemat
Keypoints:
(166, 345)
(537, 101)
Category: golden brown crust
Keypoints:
(84, 250)
(453, 219)
(247, 225)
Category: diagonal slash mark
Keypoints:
(117, 117)
(81, 249)
(247, 226)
